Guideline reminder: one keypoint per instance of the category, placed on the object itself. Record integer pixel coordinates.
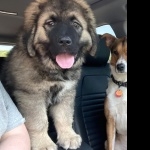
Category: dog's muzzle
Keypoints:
(121, 67)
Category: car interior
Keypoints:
(89, 119)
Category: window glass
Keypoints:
(105, 29)
(4, 49)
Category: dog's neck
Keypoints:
(122, 77)
(118, 82)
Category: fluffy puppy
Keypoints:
(42, 70)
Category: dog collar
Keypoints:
(119, 83)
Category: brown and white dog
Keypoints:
(116, 100)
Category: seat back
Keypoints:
(90, 121)
(1, 64)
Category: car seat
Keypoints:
(1, 64)
(90, 121)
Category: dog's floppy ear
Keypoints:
(31, 13)
(30, 48)
(94, 42)
(110, 39)
(92, 30)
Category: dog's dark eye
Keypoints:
(115, 52)
(50, 23)
(76, 24)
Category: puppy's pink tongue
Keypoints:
(65, 61)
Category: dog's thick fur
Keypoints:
(116, 107)
(42, 70)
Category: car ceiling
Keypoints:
(112, 12)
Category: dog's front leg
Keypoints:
(111, 133)
(33, 108)
(110, 127)
(62, 114)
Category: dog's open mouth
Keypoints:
(65, 60)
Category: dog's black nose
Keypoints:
(66, 41)
(120, 67)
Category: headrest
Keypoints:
(102, 54)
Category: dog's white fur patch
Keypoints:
(118, 105)
(123, 61)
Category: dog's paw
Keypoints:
(43, 144)
(50, 146)
(105, 145)
(69, 140)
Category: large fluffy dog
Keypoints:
(116, 101)
(42, 70)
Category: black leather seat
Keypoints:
(1, 64)
(91, 91)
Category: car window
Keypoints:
(4, 49)
(105, 29)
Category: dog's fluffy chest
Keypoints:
(118, 106)
(58, 91)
